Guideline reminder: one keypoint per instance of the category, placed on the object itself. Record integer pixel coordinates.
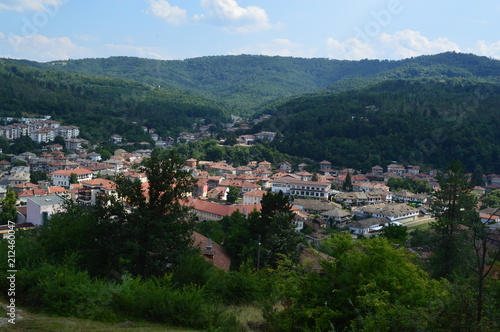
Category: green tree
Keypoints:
(9, 210)
(477, 178)
(233, 194)
(82, 235)
(278, 235)
(395, 233)
(38, 176)
(314, 177)
(347, 183)
(484, 258)
(492, 199)
(453, 206)
(157, 230)
(73, 178)
(368, 285)
(231, 139)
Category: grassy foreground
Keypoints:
(28, 321)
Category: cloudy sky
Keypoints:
(46, 30)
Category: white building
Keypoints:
(292, 186)
(253, 197)
(62, 178)
(39, 209)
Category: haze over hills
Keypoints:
(318, 105)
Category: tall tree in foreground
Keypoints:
(157, 230)
(485, 256)
(9, 210)
(453, 206)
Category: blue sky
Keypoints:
(46, 30)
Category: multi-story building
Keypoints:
(291, 186)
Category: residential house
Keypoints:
(367, 225)
(93, 189)
(62, 178)
(218, 193)
(94, 156)
(212, 252)
(305, 176)
(74, 144)
(200, 188)
(336, 216)
(378, 170)
(413, 169)
(302, 166)
(39, 209)
(116, 139)
(406, 196)
(265, 164)
(285, 167)
(253, 197)
(325, 164)
(268, 135)
(316, 206)
(396, 169)
(214, 182)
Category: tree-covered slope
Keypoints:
(101, 106)
(411, 121)
(247, 82)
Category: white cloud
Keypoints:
(235, 18)
(351, 49)
(41, 48)
(86, 38)
(36, 5)
(400, 45)
(165, 11)
(281, 47)
(408, 43)
(490, 50)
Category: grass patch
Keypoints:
(37, 322)
(420, 227)
(247, 313)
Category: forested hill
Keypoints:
(423, 121)
(101, 106)
(247, 82)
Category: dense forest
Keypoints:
(417, 121)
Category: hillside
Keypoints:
(422, 121)
(101, 106)
(448, 101)
(248, 82)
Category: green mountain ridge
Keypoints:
(247, 82)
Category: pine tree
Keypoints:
(453, 205)
(156, 231)
(347, 183)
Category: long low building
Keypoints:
(291, 186)
(206, 210)
(393, 212)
